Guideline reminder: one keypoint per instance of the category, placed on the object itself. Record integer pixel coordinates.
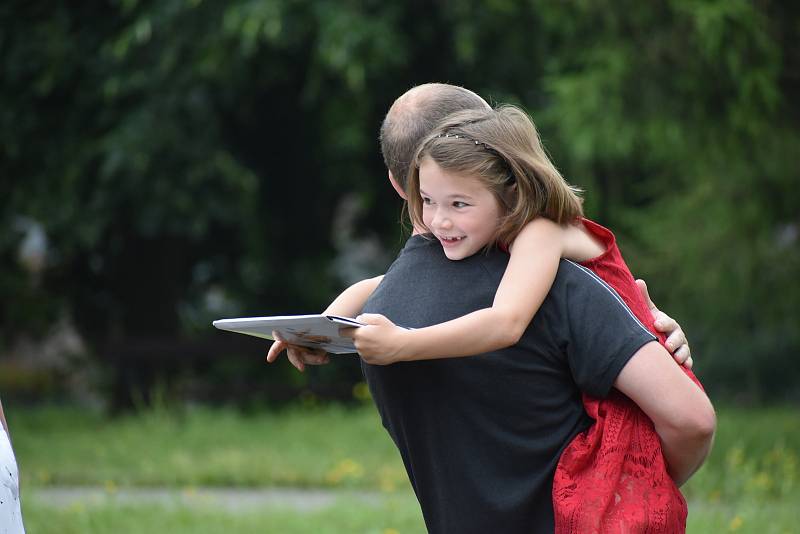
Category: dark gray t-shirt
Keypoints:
(480, 436)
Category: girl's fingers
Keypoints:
(348, 331)
(372, 318)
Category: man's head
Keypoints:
(412, 117)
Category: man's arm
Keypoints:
(351, 301)
(681, 412)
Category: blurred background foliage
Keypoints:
(166, 163)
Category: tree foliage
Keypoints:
(189, 159)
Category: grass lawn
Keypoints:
(328, 447)
(751, 483)
(397, 514)
(394, 514)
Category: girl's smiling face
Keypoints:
(459, 210)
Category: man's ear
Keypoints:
(397, 186)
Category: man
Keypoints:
(411, 117)
(480, 436)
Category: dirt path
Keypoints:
(233, 499)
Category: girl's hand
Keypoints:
(379, 341)
(298, 356)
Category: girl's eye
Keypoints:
(426, 201)
(459, 204)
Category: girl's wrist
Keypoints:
(405, 342)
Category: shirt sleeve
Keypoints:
(603, 334)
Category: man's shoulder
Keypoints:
(578, 291)
(424, 287)
(571, 273)
(575, 283)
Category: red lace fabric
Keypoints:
(612, 478)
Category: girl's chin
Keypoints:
(457, 254)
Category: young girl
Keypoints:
(612, 477)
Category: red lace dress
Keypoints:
(612, 478)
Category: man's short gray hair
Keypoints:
(413, 116)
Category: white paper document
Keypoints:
(315, 331)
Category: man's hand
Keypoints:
(379, 341)
(298, 356)
(676, 340)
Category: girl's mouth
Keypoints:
(450, 241)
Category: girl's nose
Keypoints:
(441, 220)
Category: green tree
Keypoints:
(187, 158)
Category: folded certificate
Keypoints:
(315, 331)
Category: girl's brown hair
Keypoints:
(502, 149)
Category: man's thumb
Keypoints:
(643, 289)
